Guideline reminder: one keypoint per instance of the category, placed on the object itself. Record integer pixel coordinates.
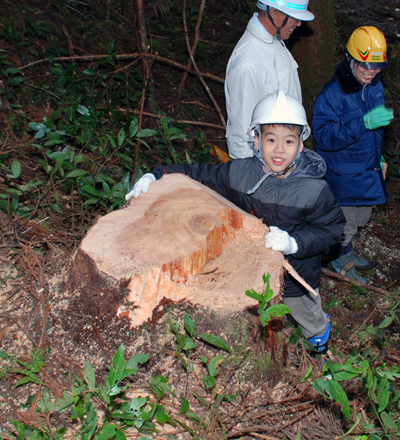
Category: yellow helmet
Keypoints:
(367, 46)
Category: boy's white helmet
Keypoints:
(294, 8)
(279, 108)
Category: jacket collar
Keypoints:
(348, 81)
(255, 27)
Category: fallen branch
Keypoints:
(180, 121)
(124, 57)
(348, 280)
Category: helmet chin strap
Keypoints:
(258, 154)
(278, 29)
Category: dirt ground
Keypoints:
(38, 310)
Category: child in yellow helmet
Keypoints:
(349, 118)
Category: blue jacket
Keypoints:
(352, 152)
(300, 204)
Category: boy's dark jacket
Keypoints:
(300, 204)
(351, 152)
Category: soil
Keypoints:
(37, 309)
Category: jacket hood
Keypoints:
(310, 165)
(348, 81)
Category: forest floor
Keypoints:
(36, 255)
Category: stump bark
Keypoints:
(180, 242)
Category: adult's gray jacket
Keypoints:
(259, 65)
(301, 204)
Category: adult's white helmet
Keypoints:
(279, 108)
(294, 8)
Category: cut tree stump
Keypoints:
(181, 241)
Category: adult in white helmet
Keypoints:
(260, 65)
(281, 184)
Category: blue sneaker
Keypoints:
(320, 342)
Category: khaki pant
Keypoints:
(356, 217)
(307, 311)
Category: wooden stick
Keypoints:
(291, 270)
(340, 277)
(196, 40)
(199, 75)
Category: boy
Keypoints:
(348, 126)
(282, 184)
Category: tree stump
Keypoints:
(181, 242)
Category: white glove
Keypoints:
(280, 240)
(142, 185)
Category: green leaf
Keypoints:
(89, 425)
(119, 435)
(383, 393)
(107, 432)
(203, 401)
(386, 322)
(117, 367)
(65, 402)
(307, 375)
(121, 137)
(372, 330)
(362, 335)
(138, 403)
(253, 294)
(216, 341)
(388, 422)
(184, 405)
(189, 344)
(147, 132)
(390, 375)
(16, 168)
(56, 71)
(278, 310)
(340, 397)
(322, 386)
(174, 326)
(133, 128)
(83, 110)
(11, 70)
(209, 381)
(90, 190)
(212, 367)
(135, 360)
(159, 386)
(182, 359)
(76, 173)
(92, 201)
(190, 325)
(15, 80)
(89, 376)
(268, 292)
(344, 375)
(162, 417)
(192, 416)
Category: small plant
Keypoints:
(379, 386)
(267, 313)
(187, 341)
(87, 398)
